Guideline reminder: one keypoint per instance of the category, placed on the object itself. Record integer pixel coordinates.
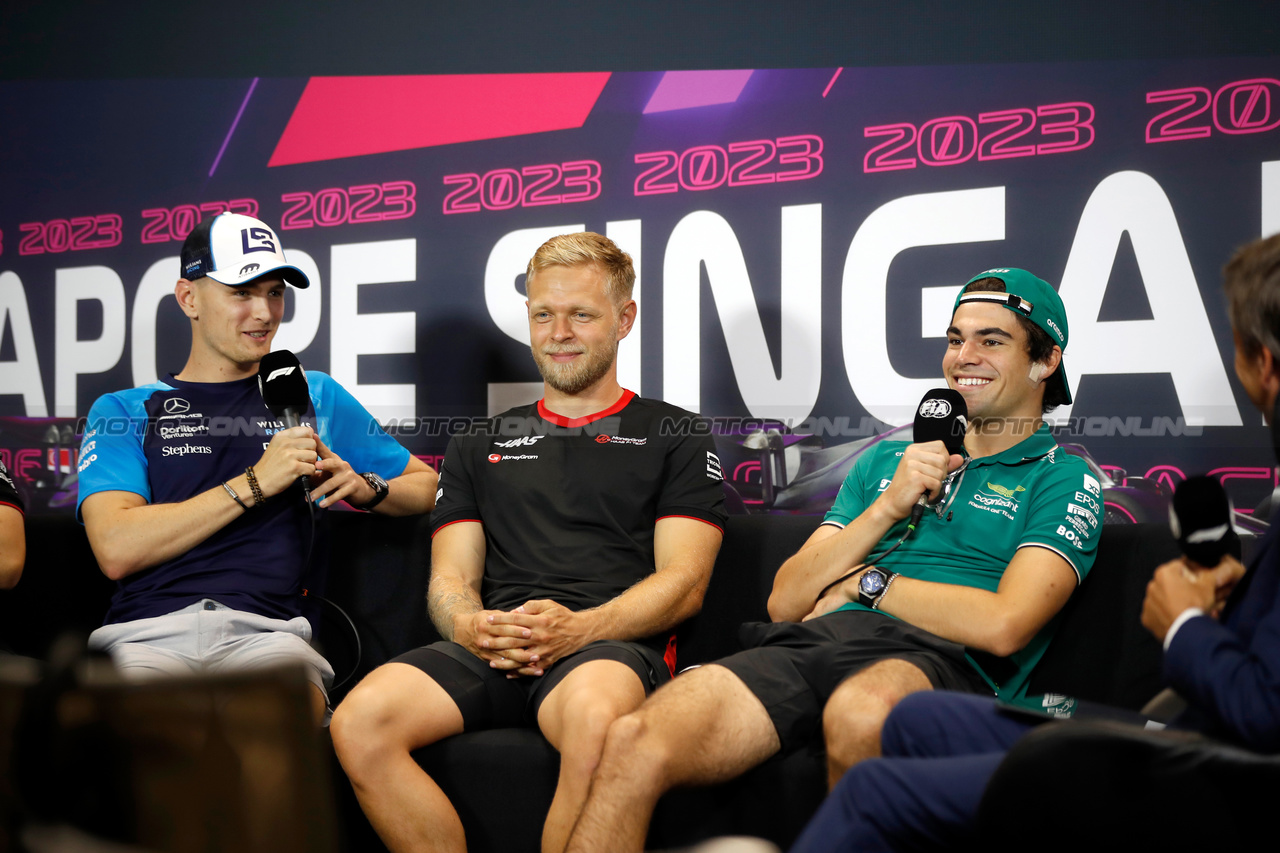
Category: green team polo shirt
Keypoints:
(1032, 495)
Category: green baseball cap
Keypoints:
(1031, 297)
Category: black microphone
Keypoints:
(283, 384)
(942, 416)
(1200, 518)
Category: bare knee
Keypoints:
(854, 716)
(373, 724)
(634, 747)
(851, 729)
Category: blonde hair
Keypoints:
(582, 249)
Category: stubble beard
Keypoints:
(578, 375)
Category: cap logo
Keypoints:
(248, 268)
(1054, 326)
(935, 409)
(264, 240)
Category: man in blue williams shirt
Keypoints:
(941, 749)
(189, 487)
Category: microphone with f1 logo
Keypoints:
(283, 384)
(942, 416)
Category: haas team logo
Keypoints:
(935, 409)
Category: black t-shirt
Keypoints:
(569, 505)
(8, 490)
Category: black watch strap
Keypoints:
(380, 489)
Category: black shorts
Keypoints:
(794, 667)
(488, 699)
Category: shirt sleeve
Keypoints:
(111, 455)
(351, 432)
(694, 480)
(1065, 514)
(455, 497)
(852, 499)
(9, 490)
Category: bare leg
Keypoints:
(394, 710)
(704, 727)
(319, 705)
(575, 718)
(855, 713)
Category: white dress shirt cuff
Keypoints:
(1189, 613)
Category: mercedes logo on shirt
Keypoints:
(176, 406)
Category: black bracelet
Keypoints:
(234, 496)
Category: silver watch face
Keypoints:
(871, 583)
(375, 482)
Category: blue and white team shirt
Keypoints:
(172, 440)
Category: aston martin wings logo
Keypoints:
(1004, 492)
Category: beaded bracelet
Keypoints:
(235, 497)
(258, 497)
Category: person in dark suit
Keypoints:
(1220, 627)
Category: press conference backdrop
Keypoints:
(799, 237)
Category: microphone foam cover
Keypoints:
(282, 382)
(942, 416)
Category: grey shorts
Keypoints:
(210, 637)
(794, 667)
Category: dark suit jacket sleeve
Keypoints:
(1233, 684)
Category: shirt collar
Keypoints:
(1039, 443)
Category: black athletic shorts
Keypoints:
(488, 699)
(794, 667)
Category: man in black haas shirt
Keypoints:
(571, 537)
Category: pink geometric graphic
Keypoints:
(354, 116)
(680, 90)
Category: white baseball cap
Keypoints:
(235, 249)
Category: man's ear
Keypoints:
(627, 318)
(185, 292)
(1268, 371)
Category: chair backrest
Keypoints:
(61, 588)
(1101, 652)
(754, 547)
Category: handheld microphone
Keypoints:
(1200, 519)
(942, 416)
(283, 384)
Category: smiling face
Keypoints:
(232, 327)
(574, 327)
(987, 361)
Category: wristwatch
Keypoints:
(872, 586)
(380, 489)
